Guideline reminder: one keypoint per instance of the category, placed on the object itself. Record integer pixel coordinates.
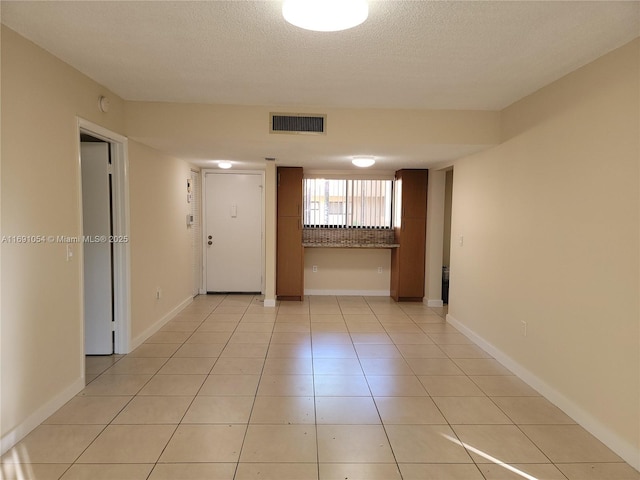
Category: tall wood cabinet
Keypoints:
(289, 254)
(410, 225)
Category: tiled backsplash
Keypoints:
(348, 236)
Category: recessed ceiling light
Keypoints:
(325, 15)
(363, 162)
(224, 165)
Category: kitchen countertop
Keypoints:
(349, 245)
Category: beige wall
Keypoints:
(41, 325)
(236, 128)
(41, 329)
(165, 125)
(346, 271)
(270, 195)
(434, 238)
(161, 250)
(550, 220)
(232, 123)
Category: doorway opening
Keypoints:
(97, 245)
(106, 272)
(446, 244)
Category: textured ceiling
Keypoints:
(407, 55)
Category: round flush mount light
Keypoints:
(225, 165)
(325, 15)
(363, 162)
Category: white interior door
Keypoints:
(233, 232)
(96, 223)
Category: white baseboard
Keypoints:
(624, 449)
(140, 339)
(40, 415)
(350, 293)
(270, 302)
(18, 433)
(434, 303)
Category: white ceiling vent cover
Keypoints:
(297, 123)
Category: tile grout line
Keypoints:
(117, 414)
(382, 423)
(452, 355)
(255, 395)
(315, 403)
(155, 464)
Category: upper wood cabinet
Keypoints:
(413, 196)
(289, 192)
(408, 260)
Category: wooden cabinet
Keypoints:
(290, 192)
(407, 261)
(414, 192)
(289, 253)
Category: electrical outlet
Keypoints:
(314, 269)
(524, 328)
(69, 252)
(379, 269)
(158, 293)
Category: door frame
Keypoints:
(121, 228)
(203, 213)
(196, 194)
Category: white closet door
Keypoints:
(96, 224)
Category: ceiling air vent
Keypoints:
(297, 123)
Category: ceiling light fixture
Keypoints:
(325, 15)
(224, 165)
(363, 162)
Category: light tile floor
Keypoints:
(331, 388)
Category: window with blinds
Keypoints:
(347, 203)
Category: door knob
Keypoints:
(209, 242)
(210, 237)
